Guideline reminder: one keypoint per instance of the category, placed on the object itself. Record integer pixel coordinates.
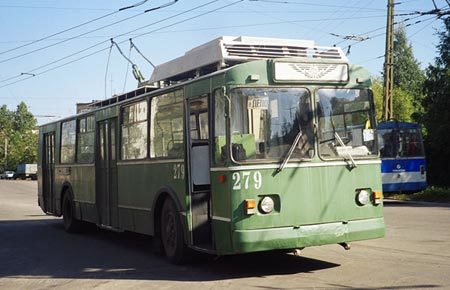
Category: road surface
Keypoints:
(36, 253)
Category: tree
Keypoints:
(19, 129)
(436, 115)
(402, 102)
(408, 77)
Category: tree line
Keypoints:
(423, 96)
(18, 137)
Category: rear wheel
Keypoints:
(71, 224)
(172, 234)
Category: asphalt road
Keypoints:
(36, 253)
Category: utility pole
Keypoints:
(388, 112)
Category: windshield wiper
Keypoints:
(341, 143)
(291, 150)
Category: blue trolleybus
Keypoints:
(403, 166)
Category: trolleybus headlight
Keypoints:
(266, 205)
(363, 197)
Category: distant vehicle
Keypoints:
(403, 165)
(25, 171)
(7, 175)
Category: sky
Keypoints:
(54, 54)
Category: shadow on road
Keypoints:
(42, 248)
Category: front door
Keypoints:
(199, 167)
(48, 170)
(106, 172)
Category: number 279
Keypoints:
(242, 180)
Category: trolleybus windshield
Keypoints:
(345, 124)
(266, 121)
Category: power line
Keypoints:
(85, 33)
(139, 28)
(364, 36)
(316, 4)
(56, 8)
(381, 34)
(73, 27)
(143, 34)
(116, 36)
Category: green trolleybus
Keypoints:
(243, 144)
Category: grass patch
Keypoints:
(431, 194)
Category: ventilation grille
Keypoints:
(227, 51)
(274, 51)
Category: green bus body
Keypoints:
(314, 200)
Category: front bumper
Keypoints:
(309, 235)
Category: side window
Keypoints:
(166, 130)
(68, 139)
(85, 140)
(134, 131)
(198, 119)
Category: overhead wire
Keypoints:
(140, 35)
(350, 17)
(137, 36)
(74, 27)
(318, 5)
(105, 41)
(116, 36)
(365, 34)
(382, 34)
(84, 33)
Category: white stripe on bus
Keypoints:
(401, 177)
(293, 165)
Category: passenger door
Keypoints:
(48, 171)
(199, 171)
(106, 172)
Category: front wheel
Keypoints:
(172, 234)
(71, 224)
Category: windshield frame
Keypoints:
(372, 119)
(269, 160)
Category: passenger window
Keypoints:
(85, 140)
(167, 125)
(68, 138)
(134, 131)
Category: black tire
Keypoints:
(71, 224)
(172, 234)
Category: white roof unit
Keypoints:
(226, 51)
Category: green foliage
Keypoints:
(408, 76)
(436, 115)
(431, 194)
(403, 105)
(19, 128)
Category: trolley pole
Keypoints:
(388, 112)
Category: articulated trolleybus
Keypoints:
(403, 166)
(241, 145)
